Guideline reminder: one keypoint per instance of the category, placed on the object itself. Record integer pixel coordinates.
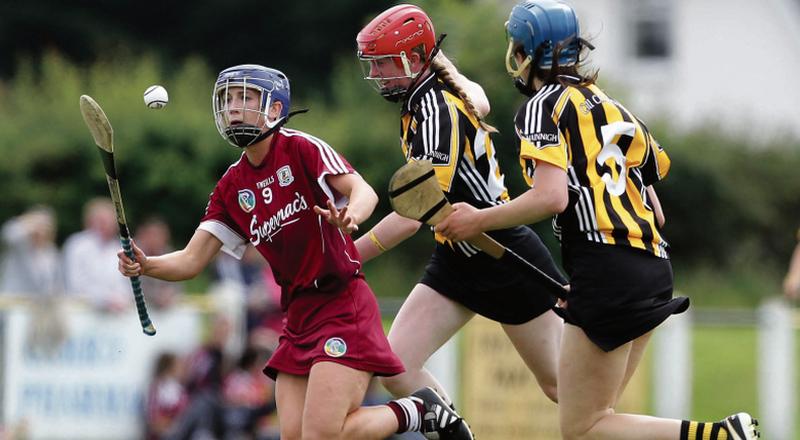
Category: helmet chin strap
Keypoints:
(525, 87)
(278, 124)
(425, 66)
(393, 95)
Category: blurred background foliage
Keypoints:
(732, 208)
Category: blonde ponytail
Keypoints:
(443, 67)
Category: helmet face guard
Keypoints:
(386, 73)
(512, 67)
(250, 90)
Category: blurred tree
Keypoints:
(303, 37)
(729, 207)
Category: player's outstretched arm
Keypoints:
(548, 196)
(361, 202)
(175, 266)
(388, 233)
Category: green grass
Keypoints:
(725, 373)
(725, 369)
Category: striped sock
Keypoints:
(408, 413)
(703, 431)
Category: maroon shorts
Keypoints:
(343, 327)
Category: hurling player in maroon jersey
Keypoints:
(296, 200)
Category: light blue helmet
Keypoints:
(271, 84)
(543, 24)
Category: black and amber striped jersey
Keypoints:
(436, 126)
(610, 158)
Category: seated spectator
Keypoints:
(205, 369)
(90, 259)
(249, 398)
(166, 398)
(30, 260)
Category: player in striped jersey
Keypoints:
(441, 121)
(296, 200)
(590, 163)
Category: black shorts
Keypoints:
(501, 290)
(617, 293)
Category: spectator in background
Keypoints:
(30, 263)
(90, 258)
(153, 237)
(30, 266)
(791, 284)
(166, 398)
(253, 277)
(205, 369)
(249, 398)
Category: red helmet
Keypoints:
(397, 29)
(393, 34)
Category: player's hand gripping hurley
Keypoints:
(414, 193)
(103, 136)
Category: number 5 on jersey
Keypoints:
(611, 134)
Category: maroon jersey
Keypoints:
(271, 206)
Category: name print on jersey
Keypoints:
(589, 103)
(546, 139)
(266, 182)
(273, 225)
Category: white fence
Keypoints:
(69, 372)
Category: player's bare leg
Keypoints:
(424, 323)
(333, 406)
(589, 383)
(537, 342)
(637, 351)
(290, 396)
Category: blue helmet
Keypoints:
(270, 84)
(544, 24)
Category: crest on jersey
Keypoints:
(335, 347)
(285, 176)
(247, 200)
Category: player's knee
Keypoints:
(574, 431)
(316, 429)
(551, 391)
(320, 435)
(288, 433)
(573, 428)
(396, 385)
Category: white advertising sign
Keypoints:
(82, 374)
